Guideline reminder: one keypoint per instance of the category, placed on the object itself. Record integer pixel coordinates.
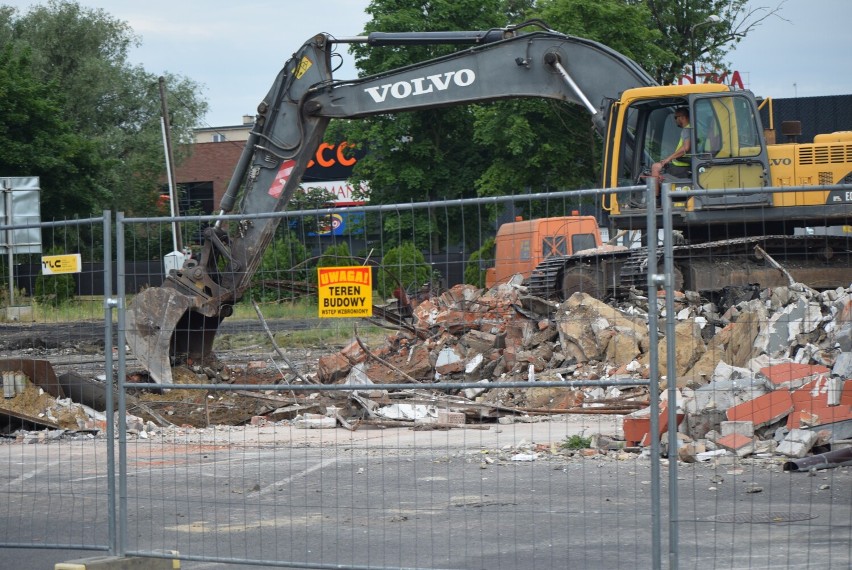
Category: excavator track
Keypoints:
(821, 262)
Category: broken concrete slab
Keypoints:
(763, 410)
(745, 428)
(792, 375)
(738, 443)
(797, 443)
(724, 394)
(783, 327)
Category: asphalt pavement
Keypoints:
(502, 497)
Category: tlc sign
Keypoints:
(733, 79)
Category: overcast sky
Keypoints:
(234, 48)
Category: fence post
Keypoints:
(671, 372)
(122, 375)
(109, 305)
(654, 387)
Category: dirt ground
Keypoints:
(78, 348)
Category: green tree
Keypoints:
(55, 290)
(424, 155)
(701, 32)
(36, 140)
(508, 147)
(479, 262)
(337, 255)
(522, 145)
(81, 54)
(541, 146)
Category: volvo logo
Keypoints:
(422, 85)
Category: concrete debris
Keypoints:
(797, 443)
(748, 361)
(757, 371)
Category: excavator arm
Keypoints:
(180, 318)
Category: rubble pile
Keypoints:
(784, 353)
(759, 372)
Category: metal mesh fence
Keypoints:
(477, 419)
(762, 465)
(54, 354)
(483, 428)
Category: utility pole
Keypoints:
(170, 171)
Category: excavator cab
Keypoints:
(727, 146)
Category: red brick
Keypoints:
(452, 418)
(734, 441)
(810, 406)
(332, 367)
(846, 395)
(353, 352)
(764, 409)
(791, 375)
(637, 425)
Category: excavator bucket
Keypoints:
(160, 324)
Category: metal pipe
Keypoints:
(379, 39)
(553, 60)
(121, 546)
(109, 305)
(828, 460)
(170, 161)
(7, 197)
(230, 197)
(175, 227)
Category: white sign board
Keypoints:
(19, 197)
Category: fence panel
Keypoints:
(762, 368)
(55, 354)
(467, 427)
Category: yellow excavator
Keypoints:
(630, 111)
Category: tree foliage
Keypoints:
(507, 147)
(99, 112)
(426, 155)
(282, 266)
(690, 34)
(37, 140)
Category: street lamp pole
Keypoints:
(711, 19)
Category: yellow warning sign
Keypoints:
(345, 291)
(57, 264)
(303, 67)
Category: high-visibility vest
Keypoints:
(678, 162)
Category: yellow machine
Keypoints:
(729, 152)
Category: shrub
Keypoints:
(278, 272)
(478, 263)
(404, 266)
(576, 442)
(337, 256)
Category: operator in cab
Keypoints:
(672, 165)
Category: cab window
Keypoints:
(661, 134)
(579, 242)
(726, 128)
